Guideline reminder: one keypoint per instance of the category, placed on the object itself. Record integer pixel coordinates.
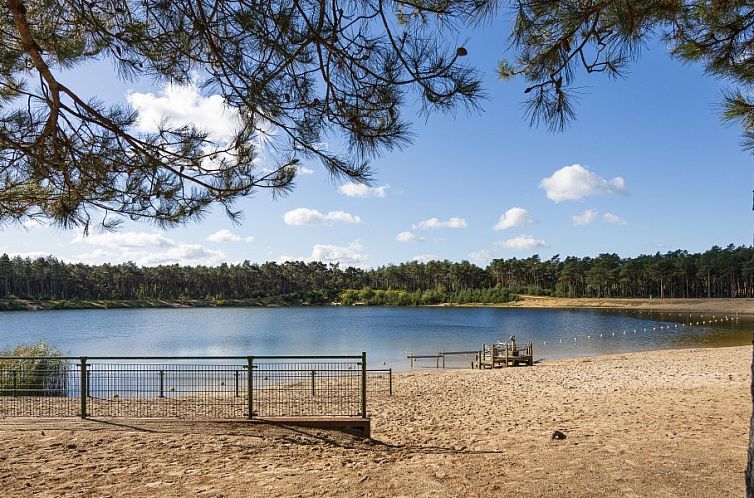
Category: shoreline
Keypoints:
(690, 305)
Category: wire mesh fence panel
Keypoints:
(284, 389)
(175, 390)
(186, 388)
(43, 387)
(380, 381)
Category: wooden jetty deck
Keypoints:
(497, 355)
(505, 355)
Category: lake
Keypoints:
(386, 334)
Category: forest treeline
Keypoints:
(718, 272)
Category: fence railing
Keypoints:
(216, 387)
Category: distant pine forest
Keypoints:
(717, 273)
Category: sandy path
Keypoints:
(664, 423)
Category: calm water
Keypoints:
(386, 334)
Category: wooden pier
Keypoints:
(506, 354)
(497, 355)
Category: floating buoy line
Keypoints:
(703, 319)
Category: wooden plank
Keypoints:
(362, 425)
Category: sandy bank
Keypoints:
(723, 305)
(661, 423)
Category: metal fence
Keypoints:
(380, 381)
(218, 387)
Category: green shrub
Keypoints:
(44, 375)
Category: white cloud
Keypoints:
(306, 216)
(576, 182)
(425, 258)
(24, 255)
(434, 224)
(303, 170)
(585, 218)
(363, 191)
(119, 240)
(614, 219)
(408, 237)
(226, 235)
(183, 105)
(514, 217)
(350, 255)
(181, 254)
(522, 243)
(144, 248)
(481, 257)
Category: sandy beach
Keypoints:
(663, 423)
(697, 305)
(717, 305)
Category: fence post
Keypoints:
(250, 386)
(84, 386)
(162, 383)
(390, 381)
(364, 384)
(15, 383)
(236, 383)
(313, 373)
(443, 360)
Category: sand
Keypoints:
(720, 305)
(663, 423)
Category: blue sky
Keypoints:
(647, 166)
